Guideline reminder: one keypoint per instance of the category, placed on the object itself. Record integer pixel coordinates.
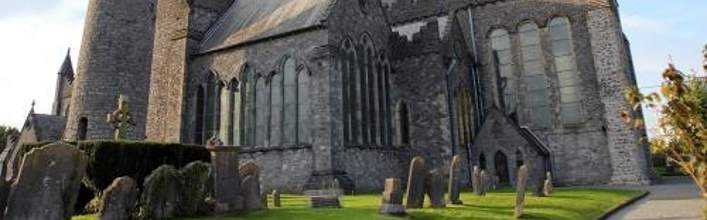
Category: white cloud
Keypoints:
(33, 46)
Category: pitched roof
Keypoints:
(252, 20)
(48, 127)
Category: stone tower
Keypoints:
(62, 95)
(115, 58)
(179, 28)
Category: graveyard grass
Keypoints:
(565, 203)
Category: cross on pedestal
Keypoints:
(120, 119)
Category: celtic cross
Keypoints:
(120, 119)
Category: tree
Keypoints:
(682, 106)
(6, 132)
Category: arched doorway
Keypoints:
(501, 165)
(82, 130)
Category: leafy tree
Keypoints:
(6, 131)
(682, 106)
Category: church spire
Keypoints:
(67, 68)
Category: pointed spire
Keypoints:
(67, 68)
(34, 102)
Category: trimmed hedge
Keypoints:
(108, 160)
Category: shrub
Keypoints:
(112, 159)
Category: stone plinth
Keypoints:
(227, 182)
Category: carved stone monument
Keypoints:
(392, 203)
(120, 119)
(521, 184)
(416, 184)
(454, 187)
(227, 182)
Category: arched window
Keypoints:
(262, 111)
(403, 124)
(234, 130)
(566, 69)
(534, 71)
(503, 61)
(289, 68)
(82, 130)
(199, 116)
(249, 107)
(364, 86)
(276, 109)
(212, 106)
(347, 63)
(463, 116)
(302, 106)
(384, 77)
(370, 101)
(225, 116)
(501, 167)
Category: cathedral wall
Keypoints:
(285, 170)
(115, 59)
(579, 150)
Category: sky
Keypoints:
(37, 33)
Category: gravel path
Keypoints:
(674, 199)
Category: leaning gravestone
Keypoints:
(435, 189)
(160, 196)
(453, 182)
(276, 198)
(521, 183)
(228, 197)
(484, 183)
(251, 193)
(119, 200)
(392, 203)
(193, 190)
(476, 181)
(416, 184)
(48, 183)
(548, 187)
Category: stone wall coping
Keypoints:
(249, 150)
(224, 149)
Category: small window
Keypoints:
(82, 129)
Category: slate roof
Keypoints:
(48, 127)
(252, 20)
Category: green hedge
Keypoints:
(112, 159)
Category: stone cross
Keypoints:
(120, 119)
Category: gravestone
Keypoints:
(476, 181)
(548, 188)
(160, 194)
(416, 184)
(4, 193)
(392, 203)
(251, 194)
(48, 183)
(276, 198)
(484, 183)
(435, 189)
(521, 184)
(328, 197)
(228, 198)
(193, 191)
(119, 200)
(454, 181)
(249, 169)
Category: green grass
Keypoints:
(564, 204)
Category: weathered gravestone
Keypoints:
(454, 181)
(119, 200)
(326, 198)
(484, 183)
(416, 184)
(226, 179)
(476, 181)
(521, 183)
(193, 189)
(392, 203)
(264, 200)
(160, 194)
(276, 199)
(548, 188)
(251, 193)
(48, 183)
(249, 169)
(435, 189)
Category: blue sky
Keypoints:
(36, 34)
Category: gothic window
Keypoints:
(302, 110)
(276, 109)
(211, 108)
(534, 71)
(364, 87)
(82, 130)
(199, 122)
(249, 108)
(262, 104)
(373, 96)
(347, 58)
(403, 124)
(503, 62)
(463, 116)
(385, 100)
(290, 113)
(566, 69)
(234, 128)
(356, 92)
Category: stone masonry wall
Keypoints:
(284, 170)
(115, 59)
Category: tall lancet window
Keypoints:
(503, 62)
(276, 109)
(534, 72)
(289, 68)
(347, 58)
(248, 113)
(234, 128)
(262, 111)
(566, 69)
(303, 85)
(212, 106)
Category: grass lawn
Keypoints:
(564, 204)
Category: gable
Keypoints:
(253, 20)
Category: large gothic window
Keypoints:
(566, 69)
(212, 106)
(234, 128)
(289, 68)
(463, 116)
(225, 115)
(384, 97)
(534, 72)
(199, 118)
(302, 106)
(248, 113)
(276, 109)
(262, 104)
(503, 62)
(347, 66)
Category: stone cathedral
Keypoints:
(316, 90)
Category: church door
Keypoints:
(501, 165)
